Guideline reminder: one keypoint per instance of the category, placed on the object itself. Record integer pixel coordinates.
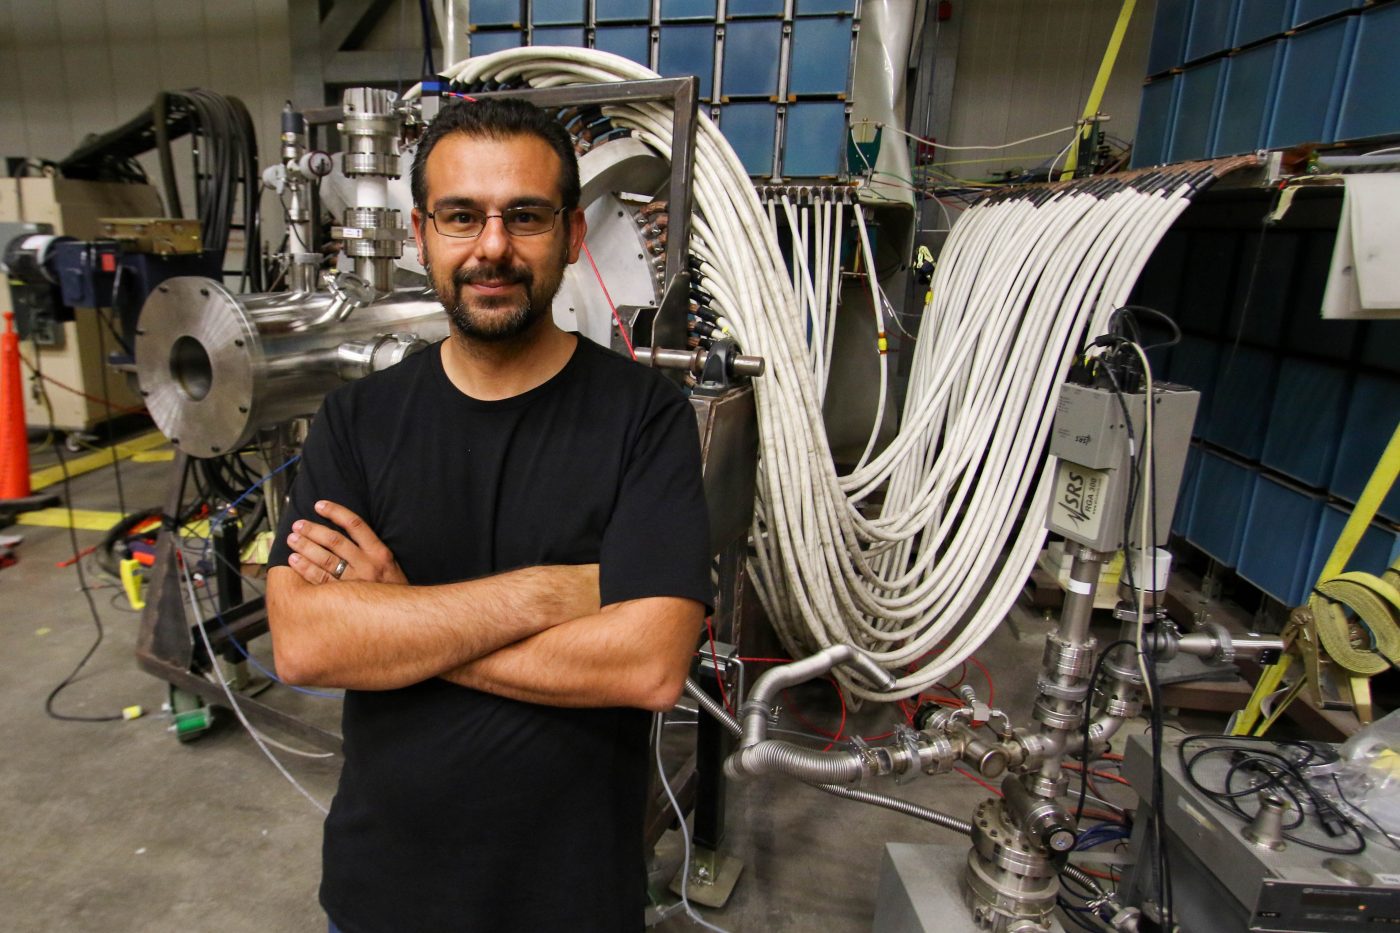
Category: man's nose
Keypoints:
(493, 242)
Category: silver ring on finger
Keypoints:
(340, 568)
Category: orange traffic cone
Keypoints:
(14, 443)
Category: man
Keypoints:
(499, 548)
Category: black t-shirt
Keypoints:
(457, 809)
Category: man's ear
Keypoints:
(420, 219)
(578, 229)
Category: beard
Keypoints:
(498, 319)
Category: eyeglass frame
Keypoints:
(432, 216)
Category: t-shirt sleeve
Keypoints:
(329, 469)
(657, 542)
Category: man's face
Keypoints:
(495, 287)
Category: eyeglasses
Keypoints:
(467, 223)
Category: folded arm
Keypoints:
(372, 632)
(634, 653)
(565, 651)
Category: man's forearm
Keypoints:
(635, 654)
(374, 636)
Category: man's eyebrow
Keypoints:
(460, 201)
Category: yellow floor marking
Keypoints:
(48, 476)
(92, 520)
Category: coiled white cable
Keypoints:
(917, 554)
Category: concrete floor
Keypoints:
(118, 826)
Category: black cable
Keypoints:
(1088, 703)
(1161, 316)
(426, 17)
(107, 404)
(1280, 774)
(77, 565)
(1342, 795)
(1075, 917)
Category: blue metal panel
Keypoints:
(1243, 390)
(1181, 521)
(496, 13)
(821, 56)
(750, 128)
(486, 41)
(550, 12)
(1159, 285)
(1259, 19)
(1370, 422)
(1195, 363)
(1380, 345)
(1203, 304)
(633, 42)
(1307, 332)
(1368, 105)
(1210, 28)
(688, 50)
(1305, 420)
(752, 51)
(687, 9)
(754, 8)
(1263, 286)
(1251, 80)
(1308, 10)
(613, 11)
(1279, 536)
(815, 139)
(1168, 48)
(824, 7)
(558, 35)
(1195, 112)
(1223, 491)
(1315, 65)
(1154, 121)
(1378, 548)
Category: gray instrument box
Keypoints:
(1094, 475)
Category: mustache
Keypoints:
(493, 273)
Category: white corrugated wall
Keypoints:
(1027, 66)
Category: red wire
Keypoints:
(714, 661)
(91, 398)
(842, 726)
(978, 780)
(797, 713)
(991, 687)
(1100, 774)
(621, 329)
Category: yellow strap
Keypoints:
(1091, 109)
(1280, 707)
(1377, 488)
(1334, 631)
(1268, 683)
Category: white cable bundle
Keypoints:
(964, 485)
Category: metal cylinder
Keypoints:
(693, 361)
(215, 367)
(370, 128)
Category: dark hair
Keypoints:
(498, 118)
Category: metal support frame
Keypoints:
(167, 646)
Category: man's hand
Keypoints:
(317, 550)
